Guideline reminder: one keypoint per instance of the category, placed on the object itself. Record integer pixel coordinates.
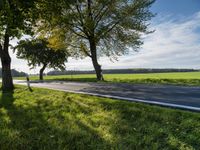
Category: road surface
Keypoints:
(165, 95)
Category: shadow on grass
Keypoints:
(151, 81)
(7, 99)
(181, 82)
(30, 89)
(37, 124)
(47, 119)
(75, 79)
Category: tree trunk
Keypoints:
(93, 48)
(98, 69)
(96, 65)
(42, 71)
(7, 80)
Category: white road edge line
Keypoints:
(130, 99)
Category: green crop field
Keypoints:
(183, 78)
(48, 119)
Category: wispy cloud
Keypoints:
(174, 44)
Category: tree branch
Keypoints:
(100, 17)
(81, 20)
(87, 53)
(109, 29)
(1, 50)
(101, 13)
(78, 34)
(6, 41)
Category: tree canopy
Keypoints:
(101, 27)
(16, 18)
(38, 53)
(91, 28)
(14, 21)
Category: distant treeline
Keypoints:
(120, 71)
(15, 73)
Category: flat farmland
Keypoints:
(180, 78)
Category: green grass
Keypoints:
(47, 119)
(184, 78)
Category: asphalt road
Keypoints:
(166, 95)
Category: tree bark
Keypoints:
(42, 71)
(93, 47)
(96, 65)
(98, 69)
(7, 80)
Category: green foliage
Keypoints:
(95, 28)
(47, 119)
(37, 52)
(16, 17)
(114, 25)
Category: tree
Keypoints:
(38, 53)
(101, 27)
(15, 19)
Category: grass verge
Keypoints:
(47, 119)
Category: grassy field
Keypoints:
(185, 78)
(47, 119)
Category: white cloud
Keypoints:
(174, 44)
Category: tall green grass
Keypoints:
(46, 119)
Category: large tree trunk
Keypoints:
(96, 65)
(42, 71)
(98, 69)
(7, 81)
(93, 48)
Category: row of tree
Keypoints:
(119, 71)
(38, 53)
(72, 28)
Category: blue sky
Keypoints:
(174, 44)
(176, 7)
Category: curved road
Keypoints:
(165, 95)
